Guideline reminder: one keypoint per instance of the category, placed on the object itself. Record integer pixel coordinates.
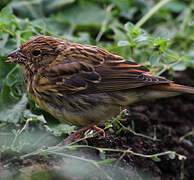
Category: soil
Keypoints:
(166, 119)
(169, 119)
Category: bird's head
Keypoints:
(40, 50)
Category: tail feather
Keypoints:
(173, 87)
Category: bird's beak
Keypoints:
(15, 57)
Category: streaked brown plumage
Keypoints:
(82, 84)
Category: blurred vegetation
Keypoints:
(162, 40)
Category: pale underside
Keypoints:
(102, 106)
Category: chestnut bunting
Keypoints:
(85, 85)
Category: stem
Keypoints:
(167, 67)
(19, 132)
(55, 150)
(137, 134)
(8, 31)
(151, 12)
(186, 19)
(171, 56)
(104, 23)
(191, 133)
(132, 52)
(182, 169)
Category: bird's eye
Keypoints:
(35, 52)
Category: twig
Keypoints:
(137, 134)
(191, 133)
(19, 132)
(104, 23)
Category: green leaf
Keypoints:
(85, 15)
(14, 111)
(124, 5)
(129, 26)
(28, 114)
(4, 70)
(59, 128)
(51, 5)
(172, 155)
(123, 43)
(141, 38)
(102, 155)
(176, 6)
(154, 58)
(171, 53)
(5, 15)
(28, 9)
(12, 100)
(108, 125)
(188, 142)
(156, 159)
(6, 46)
(52, 25)
(179, 67)
(106, 161)
(118, 34)
(118, 131)
(31, 138)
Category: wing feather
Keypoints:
(88, 69)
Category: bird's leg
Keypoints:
(101, 131)
(77, 133)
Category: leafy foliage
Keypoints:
(164, 43)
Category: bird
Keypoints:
(84, 85)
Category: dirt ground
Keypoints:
(167, 119)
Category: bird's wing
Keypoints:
(89, 69)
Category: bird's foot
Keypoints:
(101, 131)
(76, 135)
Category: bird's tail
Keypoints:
(173, 87)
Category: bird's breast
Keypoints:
(79, 110)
